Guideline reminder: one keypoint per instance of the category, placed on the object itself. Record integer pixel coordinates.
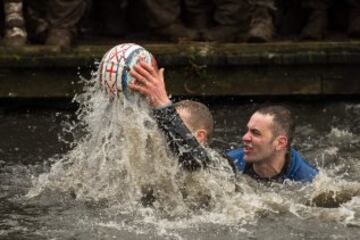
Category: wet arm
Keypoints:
(149, 82)
(191, 154)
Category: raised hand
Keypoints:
(149, 81)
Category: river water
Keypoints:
(81, 174)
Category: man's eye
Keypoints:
(256, 133)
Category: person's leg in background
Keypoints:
(164, 19)
(354, 19)
(318, 19)
(198, 13)
(64, 17)
(113, 14)
(262, 24)
(15, 31)
(226, 17)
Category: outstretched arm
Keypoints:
(150, 83)
(191, 154)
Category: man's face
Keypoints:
(259, 140)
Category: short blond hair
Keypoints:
(200, 116)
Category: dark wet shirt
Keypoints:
(181, 142)
(249, 170)
(295, 169)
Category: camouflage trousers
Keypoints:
(160, 13)
(65, 14)
(270, 4)
(325, 4)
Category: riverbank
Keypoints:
(195, 69)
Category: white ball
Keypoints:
(116, 64)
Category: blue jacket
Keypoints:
(297, 169)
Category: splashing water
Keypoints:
(123, 155)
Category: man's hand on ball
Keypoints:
(150, 83)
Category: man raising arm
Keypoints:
(187, 145)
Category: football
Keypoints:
(116, 64)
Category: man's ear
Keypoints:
(201, 136)
(281, 142)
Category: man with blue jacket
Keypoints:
(267, 154)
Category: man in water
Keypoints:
(266, 155)
(267, 152)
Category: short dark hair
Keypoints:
(283, 120)
(201, 116)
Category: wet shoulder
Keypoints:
(237, 157)
(300, 169)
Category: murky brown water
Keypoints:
(327, 135)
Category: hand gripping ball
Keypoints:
(116, 64)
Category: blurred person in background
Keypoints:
(317, 23)
(55, 22)
(226, 17)
(353, 29)
(15, 34)
(193, 20)
(110, 18)
(64, 17)
(165, 18)
(262, 20)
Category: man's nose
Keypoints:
(246, 137)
